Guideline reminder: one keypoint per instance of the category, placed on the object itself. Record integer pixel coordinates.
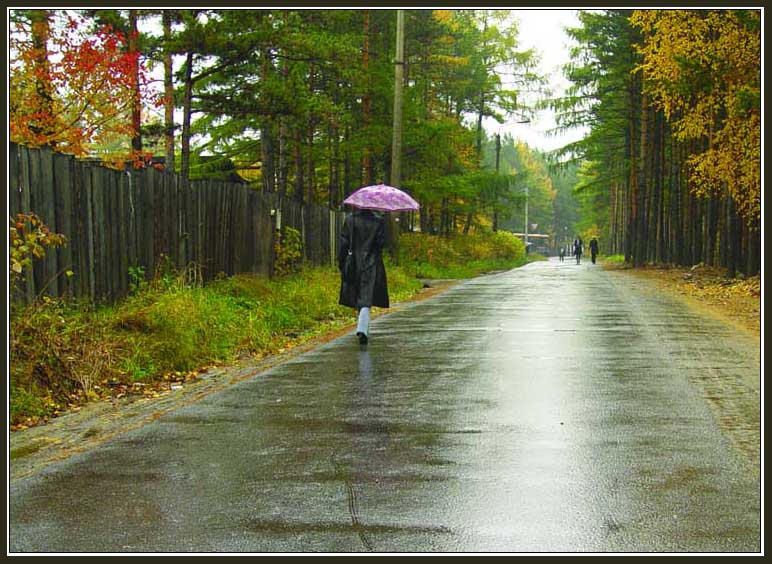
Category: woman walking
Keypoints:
(363, 237)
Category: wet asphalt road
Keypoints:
(551, 408)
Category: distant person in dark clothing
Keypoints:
(562, 253)
(593, 249)
(578, 249)
(364, 232)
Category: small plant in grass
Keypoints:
(137, 280)
(288, 249)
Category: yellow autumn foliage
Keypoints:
(702, 69)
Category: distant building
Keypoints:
(537, 243)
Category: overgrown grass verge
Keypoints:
(66, 353)
(63, 354)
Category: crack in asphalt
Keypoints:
(353, 504)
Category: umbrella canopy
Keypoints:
(382, 198)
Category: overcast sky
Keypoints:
(542, 29)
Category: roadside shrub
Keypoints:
(459, 255)
(288, 248)
(421, 248)
(507, 246)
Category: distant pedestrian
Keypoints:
(562, 253)
(364, 235)
(593, 249)
(578, 249)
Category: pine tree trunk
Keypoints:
(299, 167)
(168, 93)
(267, 153)
(346, 165)
(675, 242)
(283, 165)
(468, 223)
(186, 111)
(734, 242)
(310, 163)
(632, 192)
(367, 160)
(44, 102)
(136, 102)
(658, 215)
(282, 172)
(334, 178)
(644, 184)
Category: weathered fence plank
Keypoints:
(100, 235)
(63, 211)
(14, 194)
(78, 243)
(25, 200)
(130, 217)
(209, 213)
(39, 267)
(223, 236)
(111, 237)
(88, 177)
(148, 231)
(124, 224)
(116, 273)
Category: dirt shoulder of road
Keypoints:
(736, 301)
(77, 431)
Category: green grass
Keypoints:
(612, 258)
(25, 403)
(464, 270)
(26, 450)
(184, 328)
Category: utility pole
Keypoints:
(136, 105)
(526, 219)
(396, 145)
(496, 199)
(399, 79)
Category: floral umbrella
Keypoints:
(382, 198)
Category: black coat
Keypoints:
(371, 288)
(578, 246)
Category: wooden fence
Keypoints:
(117, 222)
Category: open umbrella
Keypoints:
(382, 198)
